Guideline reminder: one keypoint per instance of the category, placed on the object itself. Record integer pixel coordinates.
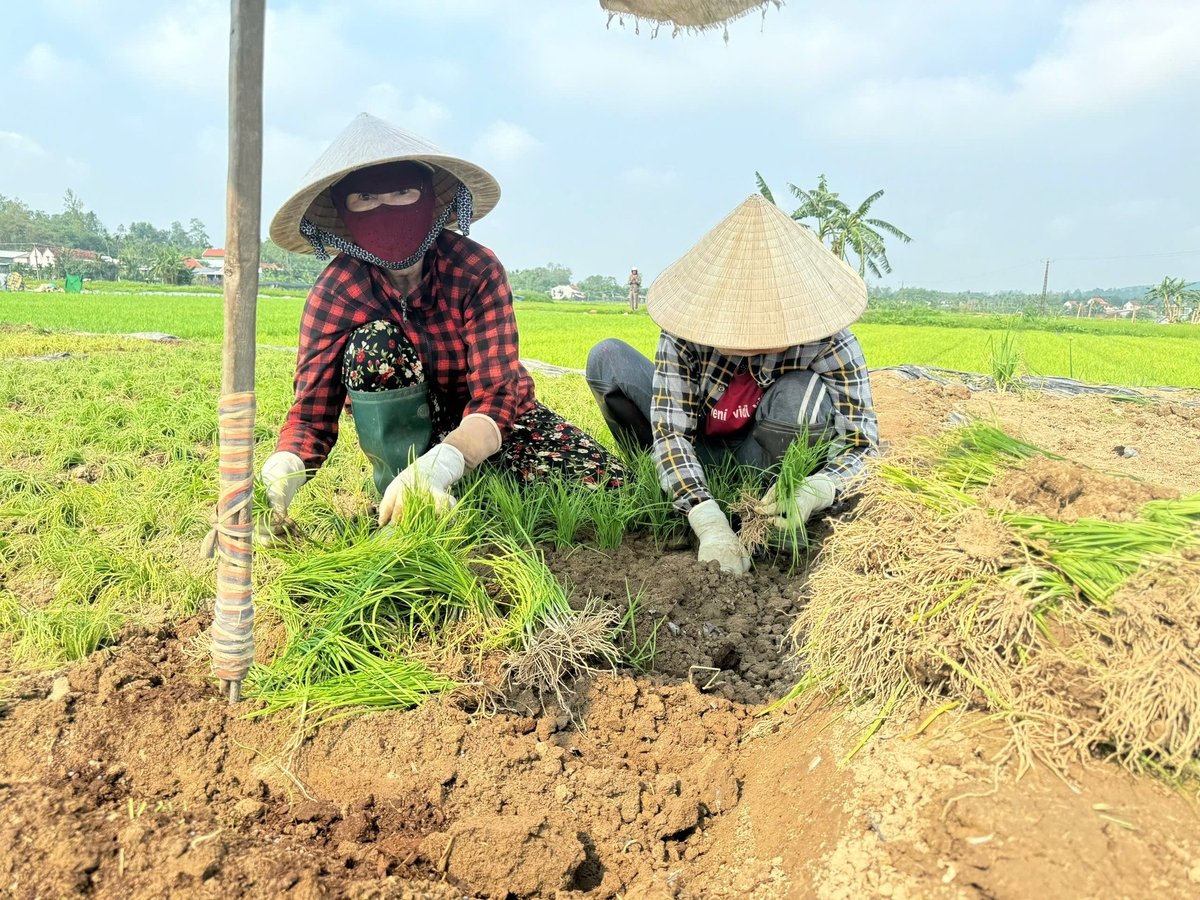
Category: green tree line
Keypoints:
(541, 279)
(141, 250)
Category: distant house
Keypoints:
(90, 255)
(1091, 307)
(567, 292)
(208, 275)
(41, 258)
(192, 263)
(213, 253)
(36, 258)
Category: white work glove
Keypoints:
(815, 494)
(282, 474)
(717, 540)
(433, 472)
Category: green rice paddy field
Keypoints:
(108, 456)
(1114, 352)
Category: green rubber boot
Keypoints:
(393, 428)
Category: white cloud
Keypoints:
(290, 155)
(20, 145)
(43, 64)
(505, 143)
(789, 55)
(1108, 56)
(1114, 53)
(419, 114)
(186, 48)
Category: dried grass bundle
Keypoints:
(925, 597)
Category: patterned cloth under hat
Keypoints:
(308, 221)
(757, 281)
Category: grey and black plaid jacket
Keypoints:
(690, 378)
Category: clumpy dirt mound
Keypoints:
(130, 778)
(133, 778)
(1066, 491)
(615, 797)
(1161, 438)
(726, 635)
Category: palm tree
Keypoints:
(820, 204)
(132, 261)
(862, 234)
(845, 228)
(1173, 294)
(167, 265)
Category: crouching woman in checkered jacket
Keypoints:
(754, 354)
(413, 324)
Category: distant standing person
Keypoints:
(635, 289)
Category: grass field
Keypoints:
(108, 459)
(1115, 352)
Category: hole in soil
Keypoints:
(590, 873)
(718, 630)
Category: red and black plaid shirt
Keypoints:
(460, 319)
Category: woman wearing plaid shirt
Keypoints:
(754, 353)
(413, 324)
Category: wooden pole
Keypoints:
(1045, 284)
(233, 642)
(243, 194)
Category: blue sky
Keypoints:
(1003, 132)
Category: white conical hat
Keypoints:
(757, 281)
(369, 141)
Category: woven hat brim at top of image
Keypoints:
(686, 14)
(757, 281)
(369, 141)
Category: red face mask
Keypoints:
(396, 225)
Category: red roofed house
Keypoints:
(211, 265)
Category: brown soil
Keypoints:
(727, 636)
(1088, 430)
(1066, 491)
(127, 777)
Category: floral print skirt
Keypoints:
(542, 444)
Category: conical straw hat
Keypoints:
(685, 14)
(757, 281)
(368, 141)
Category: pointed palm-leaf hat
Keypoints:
(685, 15)
(757, 281)
(369, 141)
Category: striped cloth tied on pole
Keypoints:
(233, 623)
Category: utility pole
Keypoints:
(1045, 284)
